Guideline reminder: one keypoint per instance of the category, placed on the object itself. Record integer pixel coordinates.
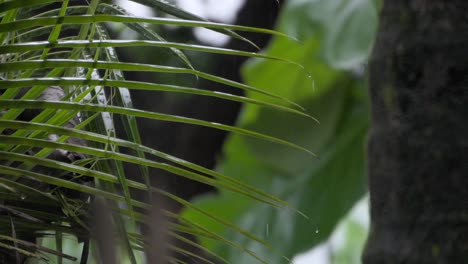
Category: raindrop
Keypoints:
(23, 197)
(317, 231)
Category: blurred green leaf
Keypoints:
(336, 37)
(346, 27)
(355, 235)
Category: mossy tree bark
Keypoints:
(418, 161)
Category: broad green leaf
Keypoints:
(323, 189)
(347, 28)
(350, 250)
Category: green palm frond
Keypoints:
(46, 196)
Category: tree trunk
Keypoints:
(418, 146)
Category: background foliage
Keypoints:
(335, 41)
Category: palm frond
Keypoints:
(57, 153)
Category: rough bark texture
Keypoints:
(418, 162)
